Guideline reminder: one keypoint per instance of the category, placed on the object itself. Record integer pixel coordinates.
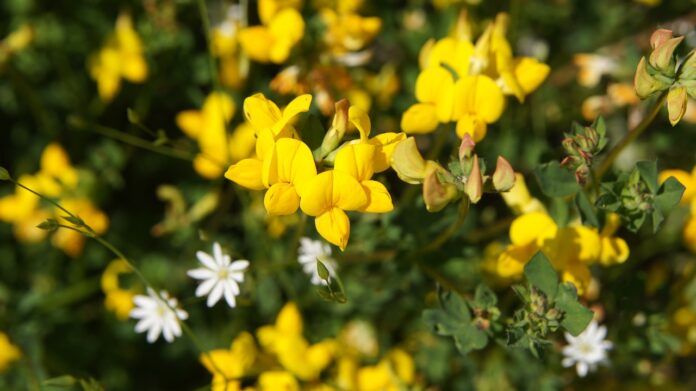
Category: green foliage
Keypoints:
(556, 181)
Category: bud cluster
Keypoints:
(662, 71)
(582, 146)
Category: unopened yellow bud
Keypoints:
(474, 183)
(662, 56)
(644, 83)
(407, 161)
(504, 175)
(659, 37)
(435, 193)
(466, 147)
(676, 104)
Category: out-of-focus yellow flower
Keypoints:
(118, 300)
(613, 249)
(282, 28)
(519, 199)
(394, 372)
(346, 31)
(618, 95)
(58, 179)
(9, 353)
(688, 198)
(592, 67)
(208, 127)
(120, 58)
(16, 41)
(284, 339)
(224, 42)
(228, 366)
(278, 380)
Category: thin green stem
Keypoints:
(52, 202)
(630, 137)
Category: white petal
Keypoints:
(167, 332)
(239, 265)
(215, 295)
(154, 332)
(226, 260)
(205, 287)
(239, 277)
(144, 301)
(201, 274)
(582, 369)
(206, 260)
(176, 329)
(567, 362)
(229, 295)
(140, 313)
(181, 314)
(143, 325)
(217, 253)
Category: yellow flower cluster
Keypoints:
(285, 360)
(208, 126)
(689, 198)
(281, 29)
(57, 179)
(224, 42)
(120, 58)
(15, 42)
(284, 166)
(465, 83)
(571, 249)
(118, 300)
(347, 31)
(9, 353)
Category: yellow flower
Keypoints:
(688, 198)
(8, 352)
(592, 67)
(278, 381)
(16, 41)
(208, 127)
(613, 249)
(295, 354)
(347, 31)
(121, 57)
(392, 373)
(273, 41)
(519, 199)
(118, 300)
(229, 365)
(287, 171)
(72, 242)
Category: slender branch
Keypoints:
(52, 202)
(630, 137)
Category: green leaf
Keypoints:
(556, 181)
(48, 225)
(322, 270)
(133, 117)
(74, 220)
(484, 297)
(470, 338)
(4, 174)
(576, 317)
(455, 306)
(648, 172)
(65, 381)
(540, 273)
(559, 211)
(669, 195)
(587, 211)
(441, 322)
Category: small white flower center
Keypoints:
(223, 274)
(585, 348)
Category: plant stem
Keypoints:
(630, 137)
(52, 202)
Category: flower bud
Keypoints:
(662, 56)
(335, 134)
(504, 175)
(466, 147)
(435, 193)
(676, 104)
(659, 37)
(688, 68)
(474, 183)
(644, 83)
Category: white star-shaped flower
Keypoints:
(587, 349)
(158, 314)
(308, 253)
(219, 275)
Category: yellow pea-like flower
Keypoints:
(233, 363)
(263, 113)
(9, 353)
(357, 160)
(287, 171)
(327, 197)
(273, 41)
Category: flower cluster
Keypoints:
(57, 179)
(118, 299)
(284, 360)
(465, 82)
(281, 29)
(286, 167)
(571, 248)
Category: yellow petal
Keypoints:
(262, 113)
(378, 198)
(54, 160)
(256, 41)
(527, 228)
(685, 179)
(385, 143)
(246, 173)
(281, 199)
(356, 160)
(218, 107)
(242, 142)
(289, 320)
(408, 162)
(334, 226)
(478, 96)
(614, 250)
(332, 189)
(690, 234)
(191, 122)
(207, 167)
(294, 163)
(361, 120)
(512, 260)
(134, 68)
(295, 107)
(431, 83)
(420, 118)
(530, 73)
(473, 126)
